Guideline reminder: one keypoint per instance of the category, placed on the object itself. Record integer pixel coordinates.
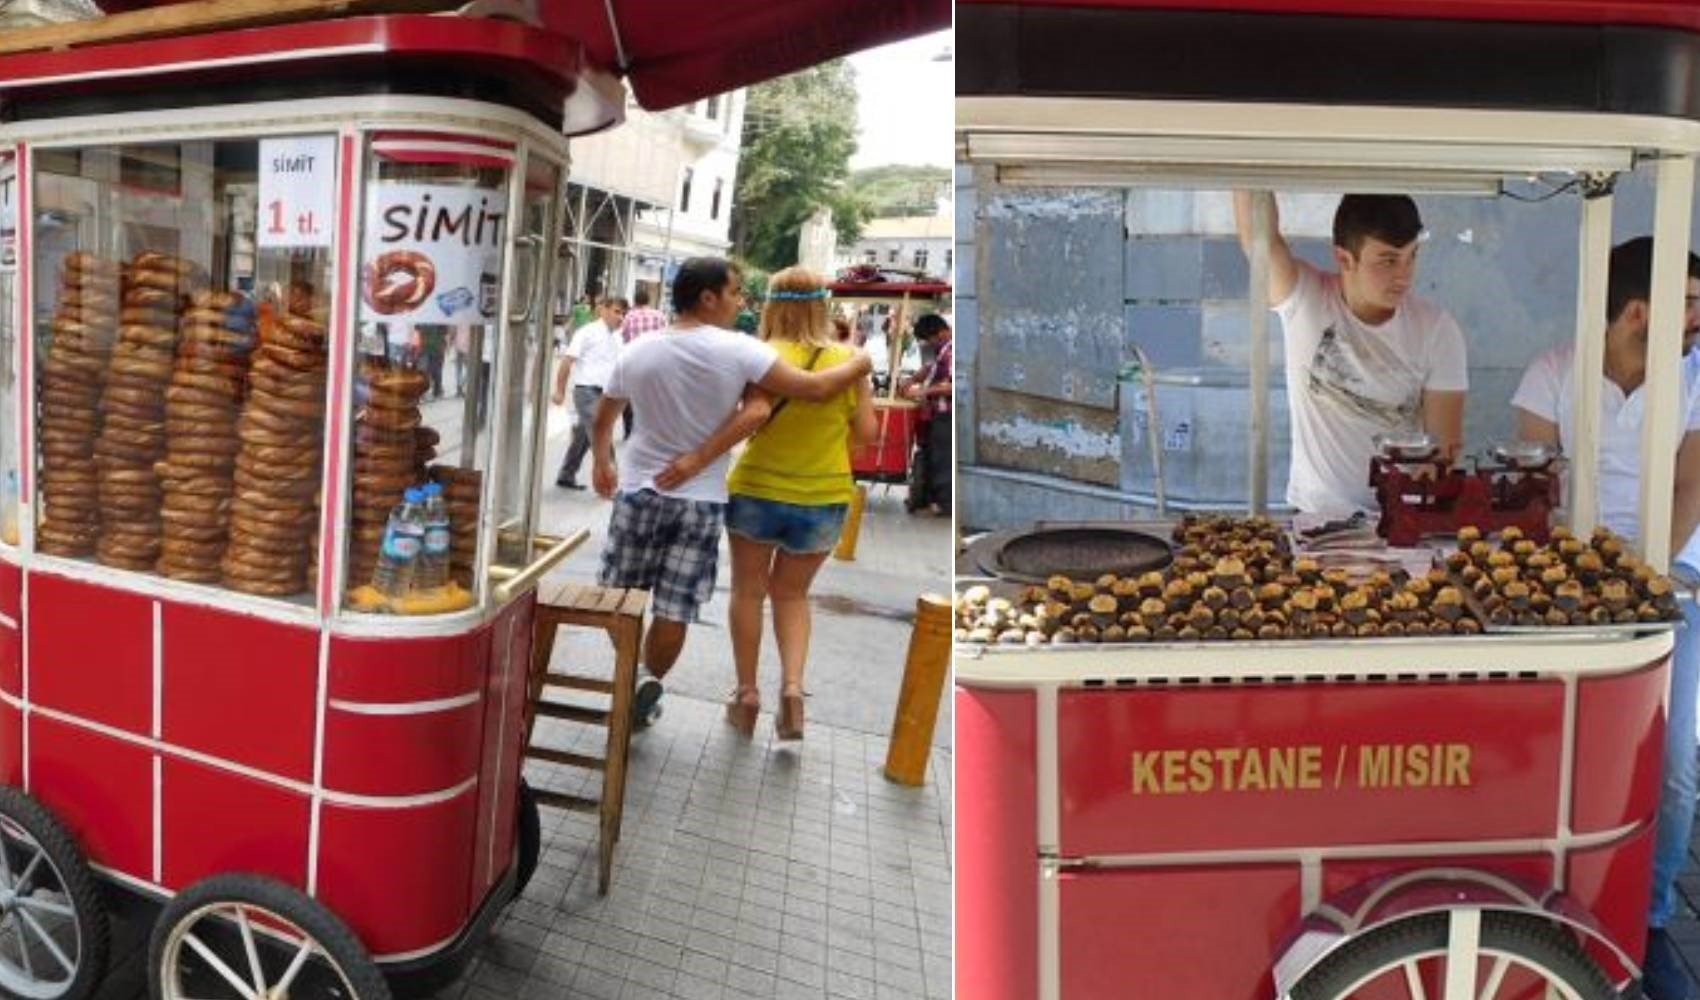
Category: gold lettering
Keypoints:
(1251, 776)
(1145, 772)
(1203, 778)
(1416, 766)
(1458, 764)
(1281, 760)
(1374, 767)
(1310, 767)
(1174, 771)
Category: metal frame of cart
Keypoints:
(1054, 846)
(362, 772)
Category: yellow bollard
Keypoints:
(924, 673)
(846, 548)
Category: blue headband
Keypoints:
(816, 295)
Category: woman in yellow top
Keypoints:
(789, 493)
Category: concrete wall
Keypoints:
(1056, 286)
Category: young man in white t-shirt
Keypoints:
(685, 380)
(1364, 356)
(1545, 403)
(587, 362)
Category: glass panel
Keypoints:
(435, 224)
(528, 329)
(181, 359)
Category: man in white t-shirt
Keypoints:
(1364, 356)
(685, 380)
(1545, 403)
(587, 362)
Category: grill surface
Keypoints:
(1081, 552)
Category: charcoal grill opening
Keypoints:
(1081, 552)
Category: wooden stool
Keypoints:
(620, 614)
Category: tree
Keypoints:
(899, 189)
(799, 135)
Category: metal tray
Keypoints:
(1624, 630)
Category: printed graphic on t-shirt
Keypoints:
(1337, 377)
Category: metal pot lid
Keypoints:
(1081, 551)
(1525, 454)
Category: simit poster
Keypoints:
(433, 253)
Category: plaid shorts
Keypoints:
(665, 545)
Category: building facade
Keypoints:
(650, 193)
(921, 243)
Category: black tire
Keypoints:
(1528, 939)
(530, 838)
(341, 968)
(71, 881)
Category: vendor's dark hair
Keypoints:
(1391, 218)
(641, 297)
(698, 276)
(930, 326)
(1630, 275)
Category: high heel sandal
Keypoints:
(742, 709)
(788, 725)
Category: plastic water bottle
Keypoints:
(433, 569)
(403, 538)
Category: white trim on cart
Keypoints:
(1427, 659)
(373, 112)
(320, 697)
(1045, 770)
(407, 707)
(1050, 930)
(1297, 855)
(290, 784)
(7, 621)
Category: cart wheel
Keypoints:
(1515, 955)
(530, 838)
(255, 938)
(53, 929)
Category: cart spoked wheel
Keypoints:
(53, 929)
(1456, 955)
(530, 838)
(254, 938)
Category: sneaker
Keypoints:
(1662, 974)
(569, 483)
(646, 703)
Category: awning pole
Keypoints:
(1257, 467)
(1674, 183)
(1589, 369)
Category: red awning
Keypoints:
(673, 52)
(1651, 13)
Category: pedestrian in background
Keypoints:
(590, 357)
(932, 390)
(643, 319)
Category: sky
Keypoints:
(905, 103)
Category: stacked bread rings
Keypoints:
(274, 511)
(215, 340)
(387, 433)
(461, 490)
(132, 429)
(73, 373)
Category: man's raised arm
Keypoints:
(1283, 268)
(786, 379)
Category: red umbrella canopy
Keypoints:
(676, 51)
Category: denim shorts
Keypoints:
(795, 528)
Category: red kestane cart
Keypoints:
(1459, 817)
(223, 255)
(887, 458)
